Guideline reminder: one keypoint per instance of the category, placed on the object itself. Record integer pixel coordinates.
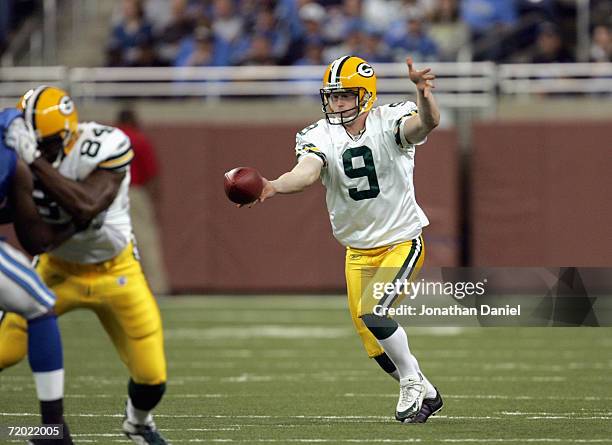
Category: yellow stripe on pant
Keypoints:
(365, 267)
(116, 290)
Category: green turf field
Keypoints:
(288, 370)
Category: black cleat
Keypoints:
(429, 408)
(143, 434)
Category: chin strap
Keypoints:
(58, 159)
(340, 119)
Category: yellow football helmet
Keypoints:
(53, 116)
(348, 74)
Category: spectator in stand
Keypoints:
(227, 25)
(260, 52)
(412, 39)
(312, 16)
(375, 50)
(546, 9)
(380, 14)
(199, 10)
(446, 11)
(488, 21)
(352, 44)
(144, 201)
(12, 12)
(342, 20)
(601, 46)
(450, 34)
(288, 12)
(549, 46)
(601, 12)
(129, 36)
(158, 13)
(180, 26)
(248, 10)
(313, 53)
(202, 49)
(423, 8)
(265, 25)
(483, 16)
(148, 56)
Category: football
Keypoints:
(243, 185)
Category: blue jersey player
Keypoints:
(21, 290)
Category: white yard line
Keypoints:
(83, 439)
(405, 440)
(490, 396)
(340, 419)
(166, 396)
(582, 412)
(569, 418)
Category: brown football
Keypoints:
(243, 185)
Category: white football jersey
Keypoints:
(370, 192)
(97, 147)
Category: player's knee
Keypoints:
(150, 374)
(145, 397)
(146, 360)
(10, 356)
(380, 327)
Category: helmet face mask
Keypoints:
(329, 97)
(348, 75)
(51, 147)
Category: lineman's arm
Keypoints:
(33, 233)
(304, 174)
(419, 126)
(83, 200)
(6, 215)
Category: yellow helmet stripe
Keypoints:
(336, 69)
(31, 105)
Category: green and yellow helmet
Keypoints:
(348, 74)
(52, 114)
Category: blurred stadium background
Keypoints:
(517, 175)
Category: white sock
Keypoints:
(395, 375)
(396, 347)
(431, 391)
(137, 416)
(49, 385)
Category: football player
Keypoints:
(365, 159)
(82, 172)
(21, 289)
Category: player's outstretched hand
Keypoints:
(268, 191)
(422, 79)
